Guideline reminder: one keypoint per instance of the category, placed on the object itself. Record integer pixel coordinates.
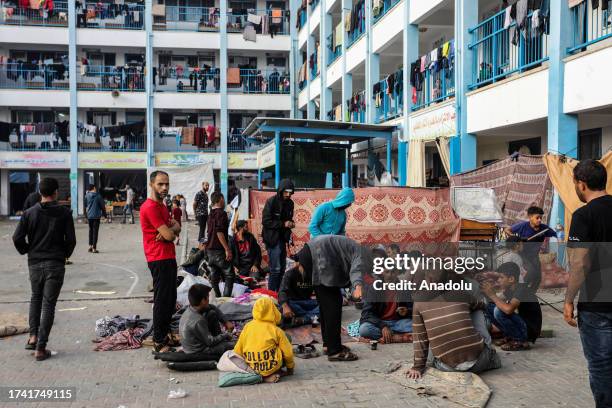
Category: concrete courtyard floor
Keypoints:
(552, 374)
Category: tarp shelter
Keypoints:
(561, 173)
(519, 181)
(284, 131)
(379, 215)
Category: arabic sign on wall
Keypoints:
(236, 161)
(107, 160)
(35, 160)
(243, 161)
(266, 157)
(441, 122)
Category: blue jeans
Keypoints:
(277, 255)
(306, 309)
(371, 331)
(596, 336)
(512, 326)
(128, 210)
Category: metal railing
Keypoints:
(385, 6)
(388, 105)
(202, 80)
(117, 141)
(358, 31)
(359, 115)
(259, 81)
(314, 4)
(111, 16)
(181, 18)
(437, 85)
(30, 138)
(11, 15)
(590, 25)
(238, 143)
(314, 71)
(334, 54)
(500, 50)
(269, 23)
(169, 141)
(26, 76)
(110, 78)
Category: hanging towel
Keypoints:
(446, 49)
(508, 17)
(249, 34)
(574, 3)
(187, 136)
(158, 10)
(277, 15)
(423, 63)
(347, 21)
(254, 18)
(233, 74)
(522, 8)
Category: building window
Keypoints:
(589, 144)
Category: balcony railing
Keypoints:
(314, 4)
(356, 107)
(334, 54)
(109, 78)
(181, 18)
(314, 71)
(112, 16)
(11, 15)
(270, 21)
(501, 51)
(31, 76)
(177, 79)
(590, 25)
(355, 34)
(258, 81)
(389, 105)
(382, 7)
(36, 137)
(120, 138)
(436, 86)
(238, 143)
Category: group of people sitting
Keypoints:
(451, 331)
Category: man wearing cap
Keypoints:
(277, 221)
(246, 252)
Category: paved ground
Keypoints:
(552, 374)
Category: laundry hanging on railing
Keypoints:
(516, 19)
(393, 87)
(440, 58)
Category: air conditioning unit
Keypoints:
(115, 93)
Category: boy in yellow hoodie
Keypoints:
(263, 344)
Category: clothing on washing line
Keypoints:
(187, 135)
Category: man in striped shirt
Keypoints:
(443, 326)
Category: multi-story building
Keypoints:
(484, 79)
(102, 91)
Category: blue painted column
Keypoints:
(372, 66)
(277, 142)
(463, 147)
(149, 84)
(389, 154)
(325, 30)
(259, 171)
(410, 54)
(293, 57)
(223, 67)
(329, 177)
(562, 128)
(348, 168)
(72, 83)
(347, 78)
(310, 47)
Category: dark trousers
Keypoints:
(46, 279)
(220, 269)
(532, 265)
(164, 297)
(596, 337)
(277, 255)
(94, 228)
(330, 306)
(202, 219)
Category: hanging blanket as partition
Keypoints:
(379, 215)
(519, 181)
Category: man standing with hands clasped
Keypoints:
(589, 251)
(200, 209)
(159, 232)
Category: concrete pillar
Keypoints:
(410, 54)
(150, 129)
(324, 33)
(4, 191)
(72, 72)
(463, 147)
(372, 66)
(293, 57)
(224, 115)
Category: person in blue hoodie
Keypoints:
(330, 218)
(96, 209)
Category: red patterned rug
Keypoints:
(379, 215)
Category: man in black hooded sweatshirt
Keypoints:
(277, 221)
(46, 233)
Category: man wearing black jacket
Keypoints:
(46, 233)
(295, 298)
(385, 313)
(277, 220)
(246, 253)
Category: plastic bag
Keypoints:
(188, 282)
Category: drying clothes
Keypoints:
(254, 18)
(277, 16)
(211, 133)
(233, 76)
(124, 340)
(338, 36)
(574, 3)
(446, 49)
(347, 21)
(187, 135)
(535, 23)
(158, 10)
(507, 17)
(249, 34)
(423, 63)
(522, 8)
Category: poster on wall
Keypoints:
(441, 122)
(107, 160)
(242, 161)
(185, 159)
(266, 156)
(35, 160)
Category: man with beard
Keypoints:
(159, 232)
(200, 209)
(590, 259)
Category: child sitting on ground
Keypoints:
(263, 344)
(200, 325)
(518, 315)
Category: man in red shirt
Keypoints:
(159, 232)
